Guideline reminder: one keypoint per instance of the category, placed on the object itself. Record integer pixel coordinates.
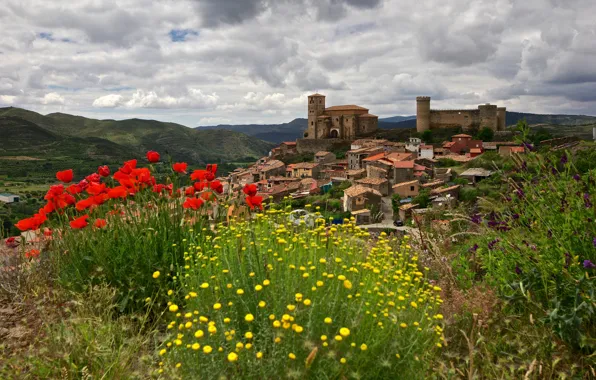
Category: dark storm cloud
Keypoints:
(219, 12)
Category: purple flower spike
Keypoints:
(476, 218)
(589, 265)
(517, 270)
(594, 242)
(563, 159)
(577, 177)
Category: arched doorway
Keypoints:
(334, 134)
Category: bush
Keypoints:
(264, 300)
(540, 251)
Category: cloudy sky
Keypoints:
(204, 62)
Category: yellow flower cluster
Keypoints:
(266, 289)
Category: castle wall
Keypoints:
(488, 116)
(422, 113)
(314, 146)
(467, 119)
(501, 118)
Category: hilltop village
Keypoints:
(375, 180)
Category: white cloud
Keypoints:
(254, 60)
(108, 101)
(52, 98)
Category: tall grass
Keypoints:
(264, 298)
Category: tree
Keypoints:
(422, 199)
(395, 198)
(486, 134)
(427, 136)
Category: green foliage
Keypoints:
(427, 136)
(395, 198)
(422, 199)
(485, 134)
(447, 163)
(253, 285)
(535, 250)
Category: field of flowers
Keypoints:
(228, 289)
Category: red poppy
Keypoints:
(100, 199)
(198, 175)
(83, 184)
(100, 223)
(161, 187)
(193, 203)
(65, 176)
(118, 192)
(190, 191)
(95, 188)
(33, 222)
(103, 171)
(11, 242)
(128, 166)
(54, 191)
(200, 186)
(212, 168)
(180, 167)
(250, 190)
(93, 177)
(254, 201)
(47, 232)
(48, 208)
(152, 156)
(84, 204)
(32, 253)
(74, 189)
(80, 222)
(216, 186)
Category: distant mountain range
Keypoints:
(580, 125)
(29, 136)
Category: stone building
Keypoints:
(359, 197)
(345, 122)
(486, 116)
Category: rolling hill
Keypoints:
(37, 144)
(134, 136)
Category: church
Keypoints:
(347, 122)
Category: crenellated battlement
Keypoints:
(485, 116)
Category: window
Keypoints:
(312, 123)
(411, 188)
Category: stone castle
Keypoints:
(346, 122)
(486, 116)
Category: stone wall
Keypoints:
(467, 119)
(314, 146)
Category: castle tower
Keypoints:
(316, 107)
(422, 113)
(488, 116)
(501, 118)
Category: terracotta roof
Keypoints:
(448, 144)
(404, 164)
(347, 107)
(317, 94)
(375, 157)
(357, 190)
(419, 167)
(517, 149)
(363, 211)
(398, 156)
(291, 143)
(444, 190)
(476, 172)
(433, 183)
(355, 171)
(426, 147)
(322, 153)
(408, 183)
(462, 135)
(371, 181)
(305, 165)
(408, 206)
(475, 150)
(367, 115)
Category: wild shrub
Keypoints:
(540, 250)
(264, 298)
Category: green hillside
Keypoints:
(58, 140)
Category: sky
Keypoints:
(207, 62)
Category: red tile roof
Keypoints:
(404, 164)
(462, 135)
(347, 107)
(290, 143)
(375, 157)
